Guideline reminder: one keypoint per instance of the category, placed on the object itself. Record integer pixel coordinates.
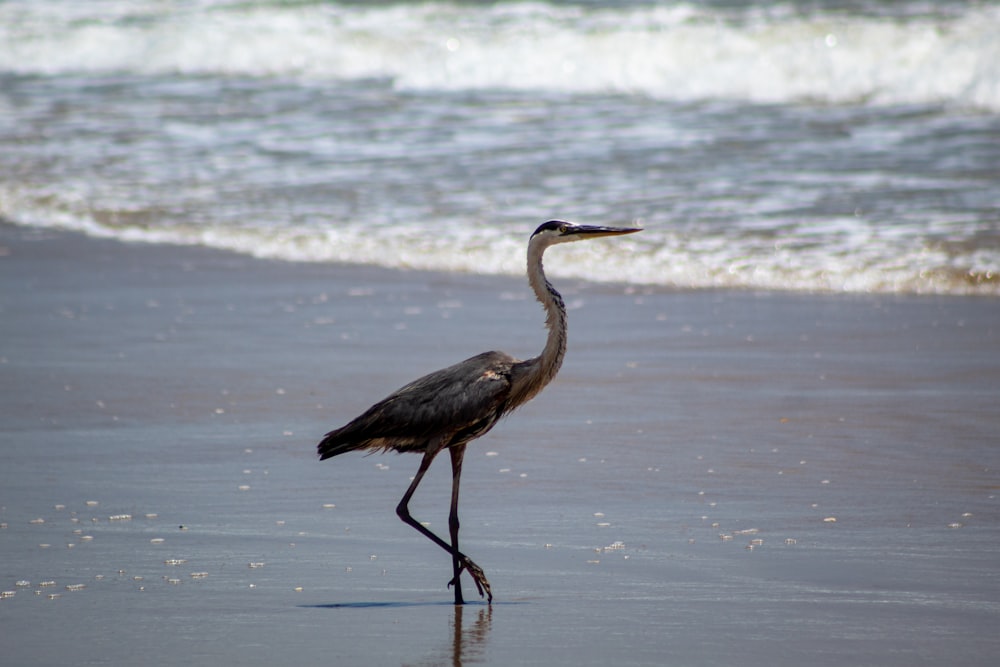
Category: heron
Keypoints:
(447, 409)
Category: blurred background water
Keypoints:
(798, 145)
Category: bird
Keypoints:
(448, 408)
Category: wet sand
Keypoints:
(714, 478)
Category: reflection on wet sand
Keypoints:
(465, 645)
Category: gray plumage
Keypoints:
(450, 407)
(465, 400)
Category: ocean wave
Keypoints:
(674, 51)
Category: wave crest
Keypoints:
(678, 52)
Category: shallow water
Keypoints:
(803, 146)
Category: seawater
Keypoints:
(801, 145)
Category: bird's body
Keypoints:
(459, 403)
(448, 408)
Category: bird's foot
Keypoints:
(478, 577)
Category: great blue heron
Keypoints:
(448, 408)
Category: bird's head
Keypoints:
(560, 231)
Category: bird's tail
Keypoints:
(335, 443)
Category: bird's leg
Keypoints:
(457, 454)
(403, 511)
(459, 560)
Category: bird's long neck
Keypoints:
(537, 372)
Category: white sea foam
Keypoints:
(669, 52)
(657, 257)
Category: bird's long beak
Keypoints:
(594, 231)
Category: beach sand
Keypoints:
(714, 478)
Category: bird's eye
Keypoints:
(563, 229)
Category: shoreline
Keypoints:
(970, 286)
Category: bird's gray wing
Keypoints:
(460, 402)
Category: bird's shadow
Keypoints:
(401, 604)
